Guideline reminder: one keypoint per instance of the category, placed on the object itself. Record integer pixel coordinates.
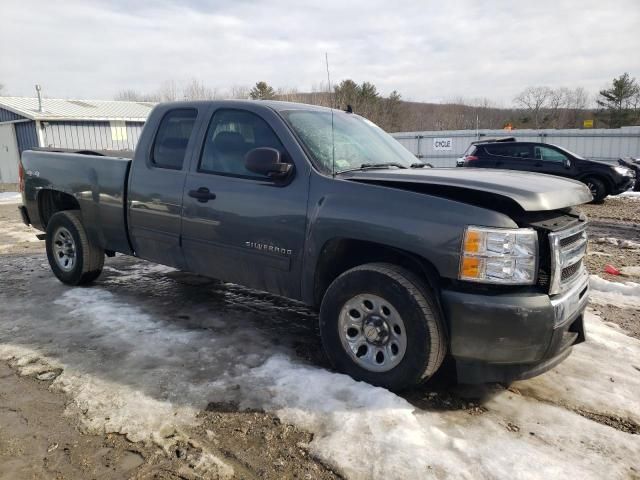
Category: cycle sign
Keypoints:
(443, 144)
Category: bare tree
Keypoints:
(577, 103)
(130, 95)
(541, 107)
(287, 94)
(196, 90)
(534, 100)
(168, 91)
(238, 91)
(558, 99)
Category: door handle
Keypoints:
(203, 195)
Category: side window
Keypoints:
(549, 155)
(513, 150)
(173, 135)
(231, 134)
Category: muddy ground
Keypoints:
(40, 439)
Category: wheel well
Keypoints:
(54, 201)
(339, 255)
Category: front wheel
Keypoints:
(72, 257)
(597, 188)
(380, 323)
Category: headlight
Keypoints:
(625, 172)
(499, 255)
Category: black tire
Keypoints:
(598, 189)
(88, 259)
(415, 304)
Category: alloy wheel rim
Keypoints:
(372, 332)
(64, 249)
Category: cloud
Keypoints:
(426, 50)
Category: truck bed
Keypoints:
(98, 184)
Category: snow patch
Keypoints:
(617, 242)
(630, 195)
(362, 431)
(121, 404)
(136, 272)
(16, 234)
(10, 197)
(600, 375)
(139, 373)
(630, 271)
(604, 292)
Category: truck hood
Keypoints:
(531, 191)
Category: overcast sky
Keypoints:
(429, 51)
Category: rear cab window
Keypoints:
(170, 145)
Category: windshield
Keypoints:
(579, 157)
(357, 141)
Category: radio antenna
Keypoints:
(333, 143)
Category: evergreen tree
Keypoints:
(620, 104)
(262, 91)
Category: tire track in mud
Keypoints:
(613, 228)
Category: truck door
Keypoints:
(156, 184)
(237, 225)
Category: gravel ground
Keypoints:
(614, 208)
(617, 218)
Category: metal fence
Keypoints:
(91, 135)
(442, 148)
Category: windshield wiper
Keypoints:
(373, 166)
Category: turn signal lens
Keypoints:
(472, 241)
(471, 267)
(496, 255)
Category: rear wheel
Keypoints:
(380, 323)
(598, 189)
(72, 258)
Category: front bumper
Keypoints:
(626, 184)
(505, 337)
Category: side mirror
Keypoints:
(567, 163)
(267, 161)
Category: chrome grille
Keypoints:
(570, 271)
(565, 242)
(567, 247)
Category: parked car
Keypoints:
(602, 178)
(405, 264)
(634, 165)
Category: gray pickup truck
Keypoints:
(407, 265)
